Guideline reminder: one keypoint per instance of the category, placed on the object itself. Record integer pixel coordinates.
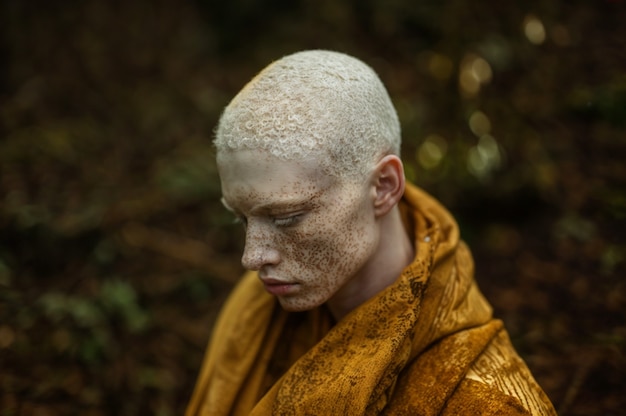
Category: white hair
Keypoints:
(314, 101)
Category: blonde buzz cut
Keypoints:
(314, 103)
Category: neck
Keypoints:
(395, 251)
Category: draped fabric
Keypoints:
(426, 345)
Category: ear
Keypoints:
(389, 182)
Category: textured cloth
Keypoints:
(426, 345)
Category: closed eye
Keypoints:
(286, 221)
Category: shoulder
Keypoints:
(473, 371)
(499, 377)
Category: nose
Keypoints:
(258, 251)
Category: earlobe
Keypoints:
(389, 182)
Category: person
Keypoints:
(360, 297)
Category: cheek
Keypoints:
(335, 248)
(310, 252)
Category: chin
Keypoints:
(290, 306)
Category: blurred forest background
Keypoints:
(115, 253)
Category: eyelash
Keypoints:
(278, 221)
(286, 221)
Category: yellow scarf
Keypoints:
(414, 348)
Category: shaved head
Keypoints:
(314, 103)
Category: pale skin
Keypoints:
(315, 238)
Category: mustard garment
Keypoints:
(426, 345)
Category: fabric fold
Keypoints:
(407, 350)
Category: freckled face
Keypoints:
(304, 228)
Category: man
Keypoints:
(360, 297)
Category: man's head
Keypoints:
(319, 103)
(308, 160)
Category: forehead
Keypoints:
(254, 177)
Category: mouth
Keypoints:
(278, 287)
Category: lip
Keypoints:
(278, 287)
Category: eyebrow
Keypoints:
(278, 205)
(275, 205)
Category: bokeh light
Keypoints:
(474, 72)
(484, 158)
(534, 30)
(479, 123)
(432, 151)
